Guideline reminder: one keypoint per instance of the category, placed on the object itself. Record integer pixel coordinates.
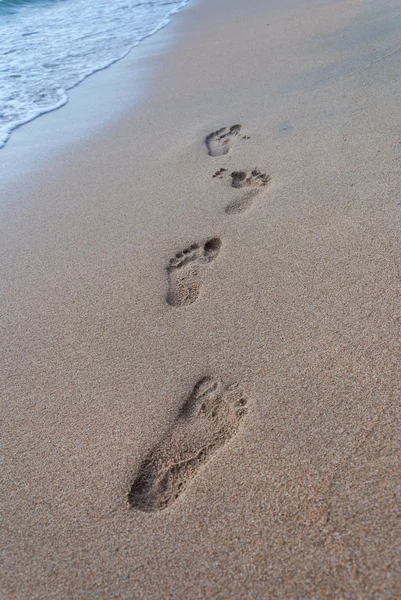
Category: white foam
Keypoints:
(50, 47)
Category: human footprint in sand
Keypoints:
(220, 142)
(184, 271)
(210, 417)
(250, 181)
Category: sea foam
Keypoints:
(49, 46)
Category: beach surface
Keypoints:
(224, 424)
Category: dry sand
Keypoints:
(295, 300)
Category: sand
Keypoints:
(225, 425)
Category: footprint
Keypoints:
(184, 271)
(252, 182)
(220, 142)
(254, 179)
(210, 417)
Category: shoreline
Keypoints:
(161, 25)
(94, 105)
(139, 286)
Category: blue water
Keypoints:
(48, 46)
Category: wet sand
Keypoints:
(199, 385)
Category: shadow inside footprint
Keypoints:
(220, 142)
(210, 417)
(252, 182)
(184, 271)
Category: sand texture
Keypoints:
(200, 394)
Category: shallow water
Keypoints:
(49, 46)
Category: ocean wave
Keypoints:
(50, 46)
